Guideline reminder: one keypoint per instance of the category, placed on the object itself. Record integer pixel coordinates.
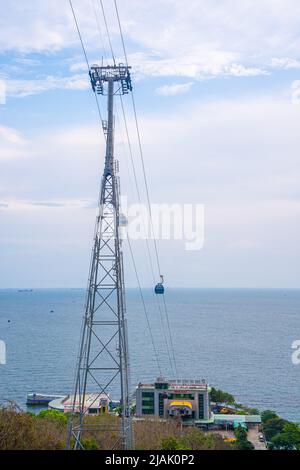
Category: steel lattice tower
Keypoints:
(103, 355)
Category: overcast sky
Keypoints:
(217, 88)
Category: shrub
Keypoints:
(90, 444)
(170, 443)
(54, 415)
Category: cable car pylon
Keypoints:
(103, 361)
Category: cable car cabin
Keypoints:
(159, 288)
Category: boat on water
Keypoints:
(25, 290)
(41, 399)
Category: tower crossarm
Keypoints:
(99, 75)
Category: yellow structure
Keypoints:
(182, 403)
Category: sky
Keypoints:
(217, 91)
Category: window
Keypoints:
(161, 386)
(184, 396)
(161, 403)
(148, 403)
(201, 405)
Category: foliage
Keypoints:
(194, 439)
(280, 434)
(248, 411)
(48, 431)
(288, 439)
(219, 396)
(267, 415)
(22, 431)
(242, 442)
(272, 427)
(53, 415)
(170, 443)
(90, 444)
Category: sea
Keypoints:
(239, 340)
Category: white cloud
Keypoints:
(238, 70)
(295, 95)
(57, 204)
(12, 143)
(214, 35)
(175, 89)
(166, 38)
(238, 157)
(285, 63)
(22, 88)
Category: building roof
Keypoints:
(92, 400)
(177, 384)
(238, 418)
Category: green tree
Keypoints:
(242, 442)
(272, 427)
(170, 443)
(267, 415)
(289, 439)
(221, 397)
(90, 444)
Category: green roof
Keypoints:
(255, 419)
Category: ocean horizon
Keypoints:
(239, 339)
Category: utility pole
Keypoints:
(103, 358)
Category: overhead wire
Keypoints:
(86, 59)
(99, 30)
(107, 32)
(146, 240)
(135, 177)
(145, 182)
(144, 307)
(136, 183)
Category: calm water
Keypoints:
(240, 340)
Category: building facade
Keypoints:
(187, 399)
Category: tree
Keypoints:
(267, 415)
(242, 442)
(219, 396)
(272, 427)
(289, 439)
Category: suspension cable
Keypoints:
(86, 57)
(144, 307)
(107, 32)
(146, 240)
(99, 30)
(137, 189)
(145, 181)
(139, 138)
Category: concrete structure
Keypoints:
(187, 399)
(94, 403)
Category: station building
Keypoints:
(187, 399)
(94, 403)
